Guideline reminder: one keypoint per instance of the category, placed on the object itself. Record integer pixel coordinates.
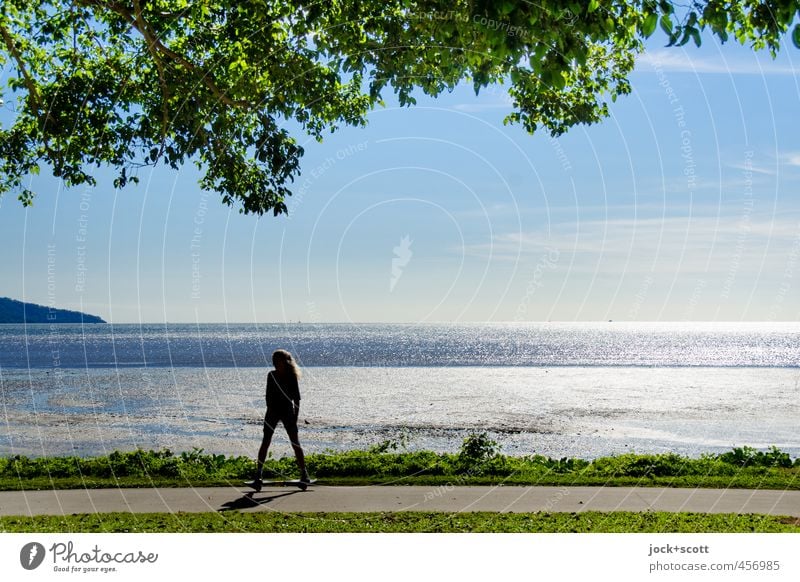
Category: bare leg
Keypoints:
(270, 421)
(298, 451)
(291, 431)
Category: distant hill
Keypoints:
(13, 311)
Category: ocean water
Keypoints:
(582, 390)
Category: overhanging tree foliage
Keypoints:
(134, 83)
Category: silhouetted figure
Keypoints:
(283, 404)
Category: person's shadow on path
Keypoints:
(248, 500)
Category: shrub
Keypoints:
(477, 451)
(566, 465)
(750, 457)
(398, 444)
(21, 466)
(632, 465)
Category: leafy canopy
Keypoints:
(134, 83)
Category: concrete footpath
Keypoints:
(392, 498)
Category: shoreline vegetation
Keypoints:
(478, 462)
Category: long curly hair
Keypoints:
(285, 357)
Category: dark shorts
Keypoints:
(284, 414)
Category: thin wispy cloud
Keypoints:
(790, 158)
(777, 162)
(679, 61)
(754, 168)
(685, 244)
(479, 107)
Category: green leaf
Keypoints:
(796, 36)
(649, 24)
(593, 5)
(507, 7)
(559, 80)
(580, 55)
(666, 24)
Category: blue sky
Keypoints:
(681, 206)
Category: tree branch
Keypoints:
(12, 48)
(141, 26)
(150, 41)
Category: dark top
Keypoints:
(282, 391)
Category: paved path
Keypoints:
(387, 498)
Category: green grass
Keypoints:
(406, 522)
(477, 463)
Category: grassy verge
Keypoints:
(404, 522)
(478, 462)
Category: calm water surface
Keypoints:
(557, 389)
